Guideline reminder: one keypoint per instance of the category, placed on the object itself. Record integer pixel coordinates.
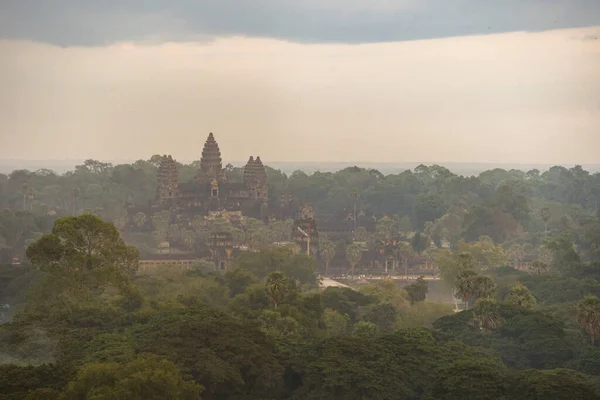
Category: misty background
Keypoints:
(386, 82)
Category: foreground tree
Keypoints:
(143, 378)
(588, 316)
(81, 260)
(84, 249)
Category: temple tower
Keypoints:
(167, 179)
(211, 164)
(255, 177)
(249, 172)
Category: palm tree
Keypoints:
(484, 287)
(75, 193)
(546, 215)
(327, 251)
(520, 295)
(487, 315)
(140, 219)
(465, 285)
(539, 268)
(588, 316)
(405, 251)
(466, 260)
(277, 287)
(353, 255)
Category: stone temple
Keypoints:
(210, 190)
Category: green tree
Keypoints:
(417, 291)
(277, 287)
(557, 384)
(588, 316)
(546, 215)
(361, 234)
(484, 287)
(405, 252)
(146, 377)
(353, 255)
(539, 268)
(520, 295)
(469, 378)
(465, 285)
(226, 355)
(420, 242)
(326, 250)
(238, 280)
(564, 255)
(487, 314)
(335, 323)
(83, 245)
(366, 329)
(384, 315)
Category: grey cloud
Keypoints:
(90, 22)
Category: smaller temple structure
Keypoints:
(222, 250)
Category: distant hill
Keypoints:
(62, 166)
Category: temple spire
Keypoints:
(211, 166)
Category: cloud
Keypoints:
(87, 22)
(514, 97)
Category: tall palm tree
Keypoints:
(520, 295)
(484, 287)
(465, 285)
(588, 316)
(546, 215)
(405, 251)
(75, 193)
(487, 315)
(327, 251)
(277, 287)
(353, 255)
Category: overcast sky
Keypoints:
(328, 80)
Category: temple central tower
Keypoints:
(211, 164)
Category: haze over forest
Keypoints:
(300, 200)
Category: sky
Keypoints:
(305, 80)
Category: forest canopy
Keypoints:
(88, 324)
